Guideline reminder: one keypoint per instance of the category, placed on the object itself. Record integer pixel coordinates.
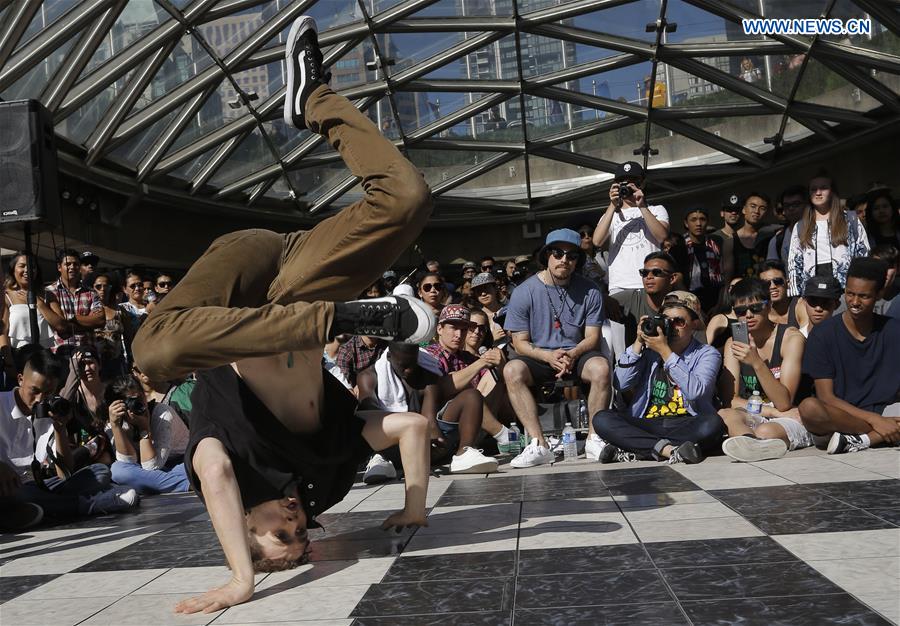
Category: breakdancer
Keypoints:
(274, 440)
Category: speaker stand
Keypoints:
(31, 296)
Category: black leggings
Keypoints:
(642, 435)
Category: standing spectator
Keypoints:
(555, 318)
(853, 360)
(594, 267)
(134, 311)
(89, 263)
(751, 244)
(15, 314)
(821, 296)
(110, 338)
(79, 307)
(825, 239)
(469, 269)
(389, 281)
(149, 299)
(658, 279)
(883, 224)
(794, 201)
(510, 267)
(484, 290)
(891, 256)
(164, 284)
(731, 217)
(706, 266)
(487, 264)
(633, 228)
(672, 415)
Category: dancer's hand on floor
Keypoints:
(404, 519)
(235, 592)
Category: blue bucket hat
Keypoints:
(561, 235)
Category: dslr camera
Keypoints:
(135, 405)
(656, 323)
(48, 407)
(625, 191)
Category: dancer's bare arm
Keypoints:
(223, 501)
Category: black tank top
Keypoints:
(750, 383)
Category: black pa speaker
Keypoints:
(28, 168)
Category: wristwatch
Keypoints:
(145, 435)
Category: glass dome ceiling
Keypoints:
(511, 108)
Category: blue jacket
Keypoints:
(695, 371)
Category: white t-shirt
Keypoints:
(629, 242)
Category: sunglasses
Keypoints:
(135, 286)
(487, 268)
(100, 286)
(427, 287)
(821, 303)
(756, 308)
(164, 284)
(586, 233)
(480, 291)
(678, 322)
(776, 282)
(656, 272)
(570, 255)
(478, 328)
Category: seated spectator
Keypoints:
(853, 360)
(24, 453)
(633, 228)
(389, 279)
(477, 339)
(658, 278)
(457, 410)
(673, 376)
(329, 355)
(555, 318)
(706, 267)
(821, 296)
(782, 308)
(891, 292)
(718, 330)
(469, 269)
(432, 291)
(698, 324)
(487, 264)
(85, 390)
(484, 290)
(770, 364)
(883, 218)
(356, 355)
(79, 307)
(143, 436)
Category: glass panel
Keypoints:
(471, 8)
(505, 182)
(313, 182)
(418, 109)
(439, 166)
(49, 12)
(407, 49)
(211, 116)
(698, 26)
(625, 84)
(226, 33)
(251, 155)
(550, 177)
(689, 90)
(821, 85)
(190, 169)
(545, 55)
(748, 131)
(188, 59)
(615, 145)
(279, 190)
(132, 151)
(678, 151)
(628, 20)
(137, 19)
(285, 138)
(553, 117)
(78, 126)
(350, 70)
(33, 83)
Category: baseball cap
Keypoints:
(629, 169)
(389, 274)
(469, 265)
(522, 258)
(822, 287)
(560, 235)
(454, 313)
(484, 278)
(731, 203)
(684, 299)
(87, 256)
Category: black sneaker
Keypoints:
(688, 452)
(395, 318)
(21, 515)
(615, 454)
(841, 443)
(304, 69)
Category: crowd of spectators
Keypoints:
(765, 325)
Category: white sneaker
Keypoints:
(113, 501)
(472, 461)
(379, 470)
(593, 447)
(751, 449)
(532, 455)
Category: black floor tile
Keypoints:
(561, 481)
(583, 559)
(168, 542)
(621, 615)
(484, 618)
(493, 565)
(341, 550)
(354, 527)
(590, 589)
(431, 597)
(777, 500)
(890, 515)
(866, 494)
(485, 486)
(818, 522)
(189, 528)
(126, 559)
(564, 493)
(783, 611)
(747, 581)
(467, 500)
(708, 552)
(14, 586)
(646, 480)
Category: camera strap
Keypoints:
(36, 469)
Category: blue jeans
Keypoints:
(169, 480)
(66, 498)
(642, 436)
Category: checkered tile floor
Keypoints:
(808, 539)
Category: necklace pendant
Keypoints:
(556, 324)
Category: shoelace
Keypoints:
(675, 457)
(625, 457)
(372, 317)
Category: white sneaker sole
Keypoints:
(749, 450)
(524, 465)
(378, 478)
(486, 467)
(300, 26)
(833, 444)
(427, 324)
(590, 456)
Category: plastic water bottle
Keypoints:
(570, 448)
(582, 414)
(515, 440)
(754, 405)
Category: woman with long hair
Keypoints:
(109, 338)
(826, 238)
(883, 225)
(15, 314)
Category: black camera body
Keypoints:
(48, 407)
(656, 323)
(625, 190)
(135, 405)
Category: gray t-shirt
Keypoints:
(535, 307)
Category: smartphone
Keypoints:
(739, 332)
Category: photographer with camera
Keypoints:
(143, 438)
(87, 428)
(633, 228)
(32, 430)
(672, 416)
